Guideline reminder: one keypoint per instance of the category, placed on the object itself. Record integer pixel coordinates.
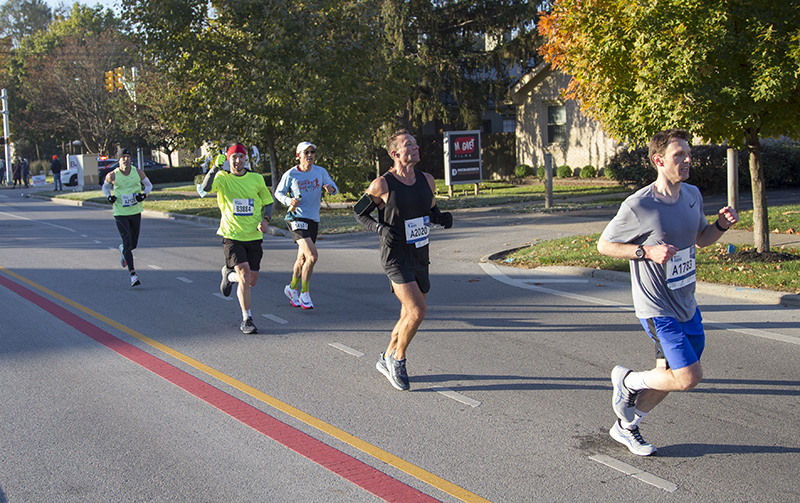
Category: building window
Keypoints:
(509, 125)
(556, 124)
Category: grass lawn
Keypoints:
(714, 263)
(183, 198)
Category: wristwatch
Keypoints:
(639, 252)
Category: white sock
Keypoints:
(246, 314)
(233, 277)
(635, 381)
(636, 420)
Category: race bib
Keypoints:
(128, 200)
(417, 231)
(298, 225)
(681, 269)
(243, 207)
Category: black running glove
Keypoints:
(112, 199)
(444, 219)
(141, 197)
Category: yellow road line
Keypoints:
(376, 452)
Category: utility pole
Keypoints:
(7, 154)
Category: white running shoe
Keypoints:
(294, 296)
(305, 301)
(631, 439)
(122, 256)
(135, 281)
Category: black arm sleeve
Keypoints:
(368, 222)
(266, 211)
(208, 181)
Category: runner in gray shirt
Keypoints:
(657, 229)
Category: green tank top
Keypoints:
(125, 189)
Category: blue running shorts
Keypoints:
(680, 343)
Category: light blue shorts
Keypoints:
(680, 343)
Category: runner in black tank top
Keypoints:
(406, 203)
(406, 208)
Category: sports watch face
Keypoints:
(639, 252)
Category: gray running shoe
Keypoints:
(397, 373)
(248, 327)
(632, 439)
(381, 366)
(122, 256)
(624, 400)
(225, 285)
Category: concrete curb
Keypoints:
(730, 291)
(207, 221)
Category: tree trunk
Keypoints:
(273, 162)
(760, 217)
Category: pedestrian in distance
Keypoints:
(126, 187)
(245, 204)
(55, 168)
(404, 197)
(26, 172)
(657, 228)
(16, 173)
(2, 171)
(301, 189)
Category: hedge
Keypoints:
(709, 168)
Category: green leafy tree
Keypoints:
(274, 73)
(22, 18)
(461, 56)
(724, 69)
(55, 80)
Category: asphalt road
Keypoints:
(152, 394)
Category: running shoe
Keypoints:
(632, 439)
(305, 301)
(624, 400)
(248, 327)
(122, 256)
(381, 366)
(135, 280)
(293, 294)
(225, 286)
(397, 373)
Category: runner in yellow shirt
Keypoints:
(246, 206)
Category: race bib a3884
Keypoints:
(681, 269)
(417, 231)
(243, 207)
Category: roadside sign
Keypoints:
(462, 157)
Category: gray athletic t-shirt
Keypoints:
(661, 290)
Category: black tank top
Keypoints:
(406, 202)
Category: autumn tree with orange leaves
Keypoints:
(726, 70)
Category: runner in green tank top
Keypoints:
(130, 187)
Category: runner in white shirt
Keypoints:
(301, 189)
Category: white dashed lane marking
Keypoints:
(274, 318)
(454, 395)
(636, 473)
(347, 349)
(185, 280)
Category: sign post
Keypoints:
(462, 158)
